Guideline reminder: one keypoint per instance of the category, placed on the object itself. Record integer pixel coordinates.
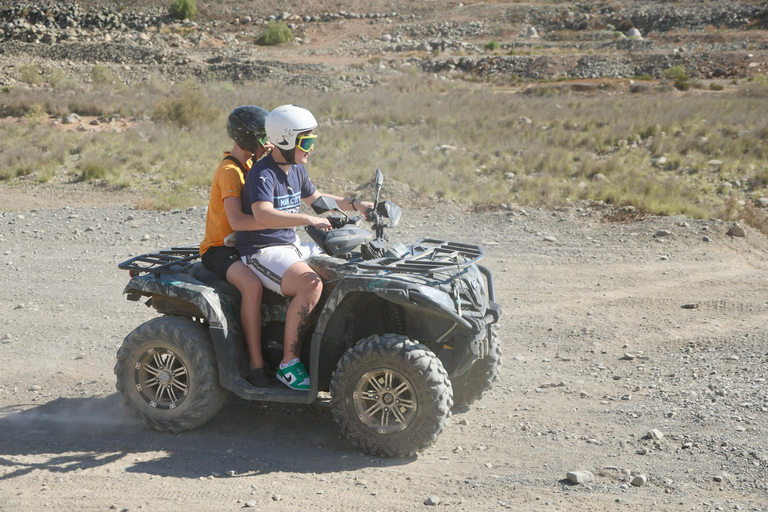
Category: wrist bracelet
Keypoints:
(352, 203)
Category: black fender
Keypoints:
(212, 306)
(401, 292)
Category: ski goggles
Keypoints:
(261, 138)
(306, 142)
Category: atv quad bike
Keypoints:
(400, 336)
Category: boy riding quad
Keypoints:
(400, 336)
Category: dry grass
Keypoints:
(672, 153)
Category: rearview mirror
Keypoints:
(378, 179)
(391, 211)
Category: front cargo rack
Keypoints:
(428, 256)
(167, 261)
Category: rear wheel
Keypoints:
(167, 374)
(391, 396)
(471, 385)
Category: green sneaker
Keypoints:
(294, 375)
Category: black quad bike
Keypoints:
(400, 336)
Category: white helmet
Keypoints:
(284, 123)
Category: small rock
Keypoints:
(524, 120)
(655, 434)
(432, 500)
(639, 480)
(580, 477)
(662, 232)
(276, 497)
(736, 230)
(250, 503)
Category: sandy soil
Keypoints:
(610, 330)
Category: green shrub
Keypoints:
(36, 114)
(102, 76)
(675, 73)
(715, 87)
(190, 108)
(183, 9)
(759, 80)
(277, 32)
(678, 76)
(58, 79)
(30, 74)
(97, 167)
(491, 46)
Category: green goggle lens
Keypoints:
(262, 138)
(306, 142)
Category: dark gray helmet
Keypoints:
(245, 125)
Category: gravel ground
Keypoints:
(635, 351)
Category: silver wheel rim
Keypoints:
(162, 378)
(385, 401)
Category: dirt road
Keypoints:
(610, 330)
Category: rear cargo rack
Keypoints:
(167, 261)
(428, 256)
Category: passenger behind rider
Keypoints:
(245, 125)
(273, 192)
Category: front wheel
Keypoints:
(391, 396)
(167, 374)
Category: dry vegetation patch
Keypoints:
(660, 151)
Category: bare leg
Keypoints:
(250, 309)
(301, 283)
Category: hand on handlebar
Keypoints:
(320, 223)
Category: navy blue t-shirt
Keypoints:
(267, 182)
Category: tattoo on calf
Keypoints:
(305, 320)
(295, 349)
(304, 315)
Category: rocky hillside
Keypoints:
(506, 41)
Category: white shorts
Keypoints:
(271, 263)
